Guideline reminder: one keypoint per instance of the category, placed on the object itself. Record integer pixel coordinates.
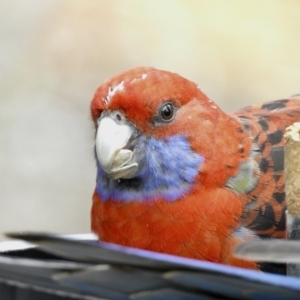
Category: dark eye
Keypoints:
(167, 112)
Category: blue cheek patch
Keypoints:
(168, 168)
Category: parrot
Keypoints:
(178, 175)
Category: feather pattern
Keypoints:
(266, 123)
(204, 180)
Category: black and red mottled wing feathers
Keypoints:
(266, 123)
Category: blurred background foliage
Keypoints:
(54, 53)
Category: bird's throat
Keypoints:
(168, 169)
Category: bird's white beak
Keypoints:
(111, 138)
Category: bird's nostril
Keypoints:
(118, 117)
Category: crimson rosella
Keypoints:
(176, 174)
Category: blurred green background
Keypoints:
(54, 54)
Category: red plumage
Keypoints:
(238, 192)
